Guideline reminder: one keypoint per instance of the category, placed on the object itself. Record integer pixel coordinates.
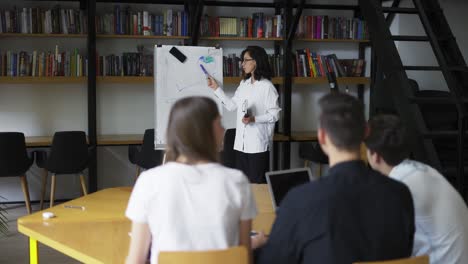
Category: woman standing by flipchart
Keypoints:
(256, 101)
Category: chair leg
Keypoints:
(83, 185)
(43, 188)
(137, 172)
(52, 190)
(24, 186)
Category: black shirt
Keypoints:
(353, 214)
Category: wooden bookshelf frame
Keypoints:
(150, 80)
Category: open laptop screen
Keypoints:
(280, 182)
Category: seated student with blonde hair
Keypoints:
(441, 214)
(191, 202)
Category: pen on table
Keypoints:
(75, 207)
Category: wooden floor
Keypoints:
(14, 247)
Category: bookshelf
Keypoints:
(240, 39)
(38, 35)
(104, 36)
(324, 80)
(334, 40)
(42, 80)
(97, 42)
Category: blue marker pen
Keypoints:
(204, 70)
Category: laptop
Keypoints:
(280, 182)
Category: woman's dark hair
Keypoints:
(263, 69)
(388, 137)
(190, 130)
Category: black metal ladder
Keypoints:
(391, 80)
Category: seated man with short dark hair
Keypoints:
(354, 213)
(441, 214)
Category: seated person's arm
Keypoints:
(244, 236)
(280, 247)
(139, 243)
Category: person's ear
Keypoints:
(321, 136)
(373, 157)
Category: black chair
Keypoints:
(15, 161)
(145, 157)
(228, 156)
(69, 154)
(311, 151)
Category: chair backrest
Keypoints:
(441, 116)
(234, 255)
(414, 260)
(14, 160)
(228, 156)
(148, 157)
(69, 152)
(313, 152)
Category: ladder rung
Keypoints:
(432, 100)
(399, 10)
(410, 38)
(442, 134)
(422, 68)
(459, 68)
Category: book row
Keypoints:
(312, 64)
(325, 27)
(128, 64)
(232, 65)
(43, 64)
(128, 22)
(256, 26)
(43, 21)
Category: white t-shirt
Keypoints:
(261, 99)
(441, 215)
(191, 207)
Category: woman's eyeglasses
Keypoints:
(246, 60)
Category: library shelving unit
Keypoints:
(290, 13)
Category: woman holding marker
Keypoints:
(256, 101)
(192, 202)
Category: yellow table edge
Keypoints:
(35, 237)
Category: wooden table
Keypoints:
(111, 140)
(99, 234)
(102, 140)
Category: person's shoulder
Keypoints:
(306, 195)
(265, 82)
(413, 172)
(244, 81)
(388, 185)
(159, 171)
(230, 174)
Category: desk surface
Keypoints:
(99, 234)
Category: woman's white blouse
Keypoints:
(261, 98)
